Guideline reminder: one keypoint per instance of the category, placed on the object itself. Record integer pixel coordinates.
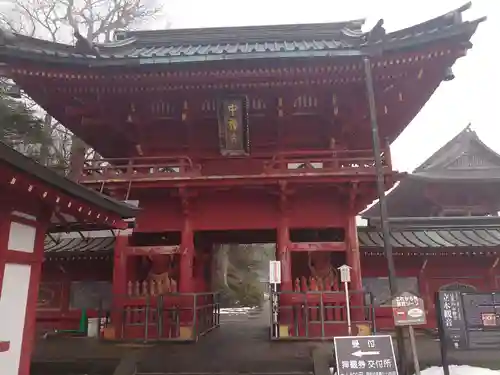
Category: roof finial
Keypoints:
(6, 36)
(83, 45)
(377, 32)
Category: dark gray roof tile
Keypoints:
(432, 238)
(79, 245)
(183, 45)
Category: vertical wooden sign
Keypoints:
(233, 125)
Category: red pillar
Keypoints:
(119, 281)
(283, 253)
(353, 257)
(186, 282)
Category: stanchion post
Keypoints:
(370, 92)
(414, 353)
(345, 278)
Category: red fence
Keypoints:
(321, 315)
(168, 317)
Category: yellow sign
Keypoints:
(232, 124)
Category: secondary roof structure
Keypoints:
(73, 206)
(434, 234)
(467, 173)
(464, 162)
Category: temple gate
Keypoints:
(237, 135)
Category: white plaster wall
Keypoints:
(22, 237)
(13, 304)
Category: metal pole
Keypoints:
(348, 308)
(414, 353)
(382, 203)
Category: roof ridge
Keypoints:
(453, 150)
(439, 152)
(246, 34)
(447, 19)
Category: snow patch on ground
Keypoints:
(236, 310)
(460, 370)
(454, 370)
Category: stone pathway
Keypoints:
(240, 345)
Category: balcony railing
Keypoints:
(144, 168)
(291, 163)
(323, 161)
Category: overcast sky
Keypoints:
(472, 97)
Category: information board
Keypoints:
(482, 319)
(452, 319)
(365, 355)
(408, 310)
(470, 320)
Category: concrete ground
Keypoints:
(240, 345)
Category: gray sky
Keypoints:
(471, 97)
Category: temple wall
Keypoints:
(67, 286)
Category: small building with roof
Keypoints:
(34, 202)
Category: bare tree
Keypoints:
(61, 21)
(96, 20)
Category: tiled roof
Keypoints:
(465, 158)
(79, 245)
(182, 45)
(432, 238)
(445, 232)
(416, 233)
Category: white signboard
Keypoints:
(274, 272)
(345, 273)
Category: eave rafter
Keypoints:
(332, 73)
(63, 203)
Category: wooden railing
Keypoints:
(292, 163)
(323, 161)
(110, 170)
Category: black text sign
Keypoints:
(365, 355)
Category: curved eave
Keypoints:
(466, 176)
(22, 165)
(388, 45)
(432, 238)
(75, 246)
